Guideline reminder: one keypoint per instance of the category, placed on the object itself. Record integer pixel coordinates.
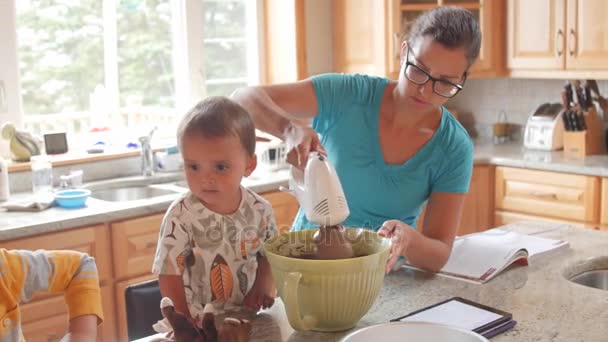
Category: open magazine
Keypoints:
(479, 257)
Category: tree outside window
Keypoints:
(124, 50)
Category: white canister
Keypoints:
(4, 185)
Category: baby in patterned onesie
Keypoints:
(210, 243)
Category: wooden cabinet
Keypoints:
(93, 240)
(285, 208)
(587, 35)
(548, 194)
(477, 214)
(134, 245)
(45, 317)
(545, 36)
(368, 34)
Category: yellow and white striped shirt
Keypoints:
(23, 273)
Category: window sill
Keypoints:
(81, 156)
(78, 157)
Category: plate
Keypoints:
(413, 331)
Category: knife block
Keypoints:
(589, 141)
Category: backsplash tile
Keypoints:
(484, 99)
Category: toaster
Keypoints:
(544, 129)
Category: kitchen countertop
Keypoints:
(546, 306)
(15, 225)
(22, 224)
(515, 155)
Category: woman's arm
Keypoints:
(274, 107)
(430, 247)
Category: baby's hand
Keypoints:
(261, 295)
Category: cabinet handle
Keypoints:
(573, 36)
(542, 194)
(559, 42)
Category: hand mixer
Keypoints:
(320, 194)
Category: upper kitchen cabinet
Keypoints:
(558, 38)
(368, 34)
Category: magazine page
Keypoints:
(480, 257)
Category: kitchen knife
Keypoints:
(582, 125)
(567, 126)
(568, 90)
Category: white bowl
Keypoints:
(413, 331)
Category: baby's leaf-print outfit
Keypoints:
(215, 254)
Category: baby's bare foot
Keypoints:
(234, 330)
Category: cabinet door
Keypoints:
(359, 36)
(94, 240)
(121, 307)
(46, 319)
(134, 245)
(536, 34)
(478, 211)
(478, 208)
(548, 194)
(285, 208)
(587, 35)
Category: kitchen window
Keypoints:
(130, 64)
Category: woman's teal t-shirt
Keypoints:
(347, 123)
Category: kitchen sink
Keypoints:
(591, 273)
(132, 193)
(597, 279)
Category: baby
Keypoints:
(210, 244)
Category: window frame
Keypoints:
(187, 56)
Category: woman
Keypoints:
(392, 142)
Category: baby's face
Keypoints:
(214, 169)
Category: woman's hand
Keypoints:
(300, 142)
(400, 235)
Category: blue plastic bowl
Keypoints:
(72, 198)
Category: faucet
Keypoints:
(147, 155)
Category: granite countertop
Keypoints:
(515, 155)
(21, 224)
(15, 225)
(546, 306)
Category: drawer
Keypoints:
(93, 240)
(506, 217)
(604, 201)
(47, 319)
(548, 194)
(134, 245)
(285, 207)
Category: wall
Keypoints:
(9, 75)
(517, 97)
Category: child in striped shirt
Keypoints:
(23, 273)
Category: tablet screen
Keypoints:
(455, 313)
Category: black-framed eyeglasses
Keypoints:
(441, 86)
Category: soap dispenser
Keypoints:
(4, 186)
